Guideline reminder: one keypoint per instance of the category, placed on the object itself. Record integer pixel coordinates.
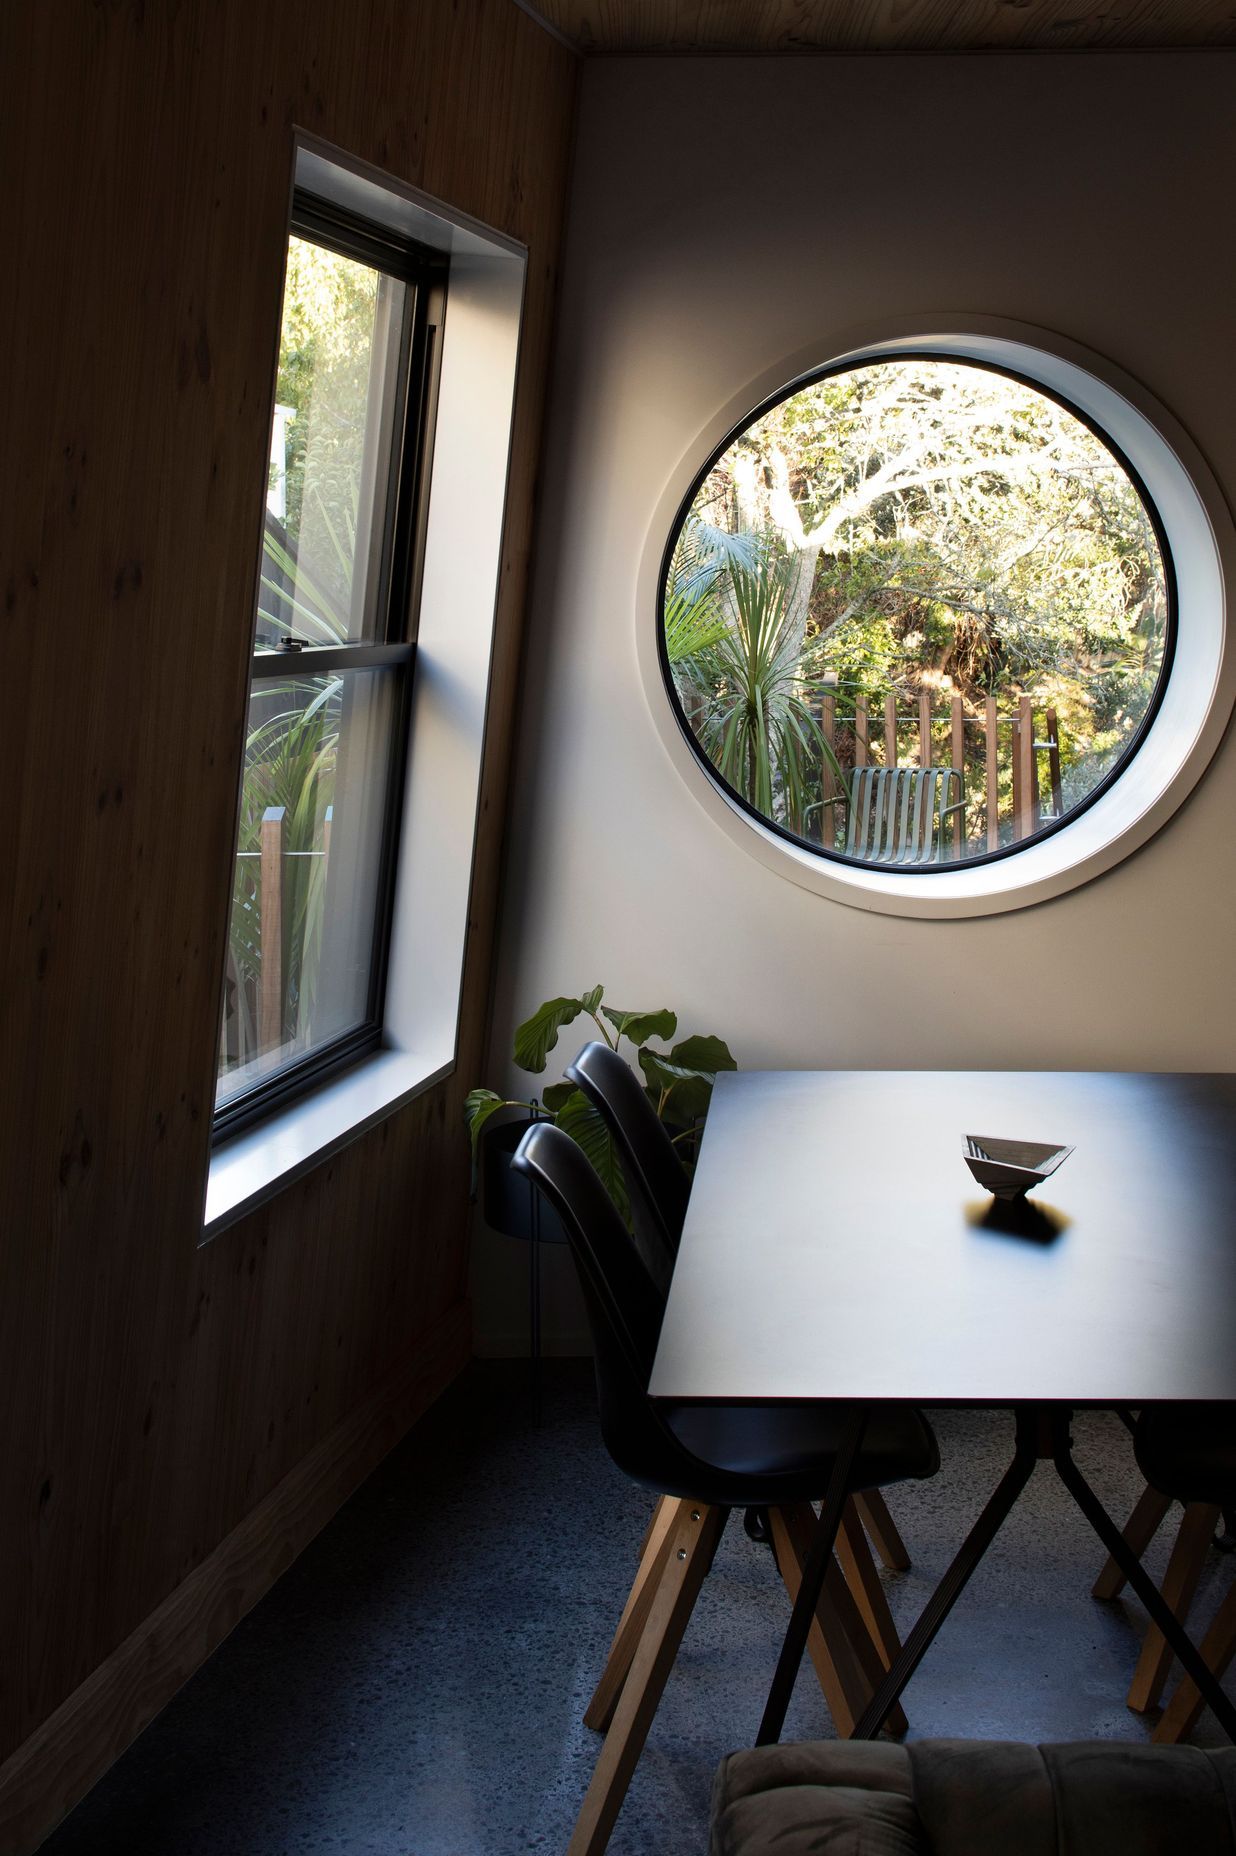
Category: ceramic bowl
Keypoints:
(1009, 1168)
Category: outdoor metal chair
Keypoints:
(901, 815)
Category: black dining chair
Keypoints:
(647, 1151)
(712, 1458)
(1189, 1452)
(660, 1190)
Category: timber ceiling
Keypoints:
(888, 25)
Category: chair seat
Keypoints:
(1189, 1451)
(764, 1454)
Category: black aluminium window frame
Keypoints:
(423, 271)
(912, 352)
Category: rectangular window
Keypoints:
(334, 647)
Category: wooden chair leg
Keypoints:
(1139, 1530)
(651, 1527)
(847, 1662)
(600, 1710)
(1184, 1569)
(880, 1525)
(1218, 1647)
(692, 1542)
(828, 1645)
(867, 1620)
(864, 1583)
(861, 1577)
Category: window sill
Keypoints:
(254, 1166)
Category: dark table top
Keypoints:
(836, 1245)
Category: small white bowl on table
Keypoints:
(1010, 1169)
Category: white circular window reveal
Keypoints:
(940, 682)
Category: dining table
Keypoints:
(837, 1247)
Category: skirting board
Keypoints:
(52, 1770)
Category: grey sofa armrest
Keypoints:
(961, 1797)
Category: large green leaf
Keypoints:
(683, 1091)
(691, 628)
(638, 1027)
(536, 1037)
(708, 1054)
(479, 1105)
(556, 1095)
(580, 1120)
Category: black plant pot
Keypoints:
(510, 1203)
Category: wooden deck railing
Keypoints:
(902, 732)
(265, 1002)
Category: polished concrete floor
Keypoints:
(414, 1684)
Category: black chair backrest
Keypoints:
(616, 1281)
(612, 1086)
(623, 1302)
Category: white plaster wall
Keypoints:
(725, 214)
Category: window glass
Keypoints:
(331, 444)
(916, 612)
(331, 665)
(308, 870)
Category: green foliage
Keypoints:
(956, 532)
(678, 1081)
(291, 602)
(681, 1083)
(752, 690)
(638, 1027)
(537, 1036)
(589, 1130)
(290, 757)
(693, 617)
(325, 352)
(479, 1105)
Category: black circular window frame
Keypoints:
(1053, 826)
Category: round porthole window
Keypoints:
(922, 620)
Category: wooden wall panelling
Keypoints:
(155, 1393)
(57, 1764)
(874, 25)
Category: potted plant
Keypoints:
(677, 1081)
